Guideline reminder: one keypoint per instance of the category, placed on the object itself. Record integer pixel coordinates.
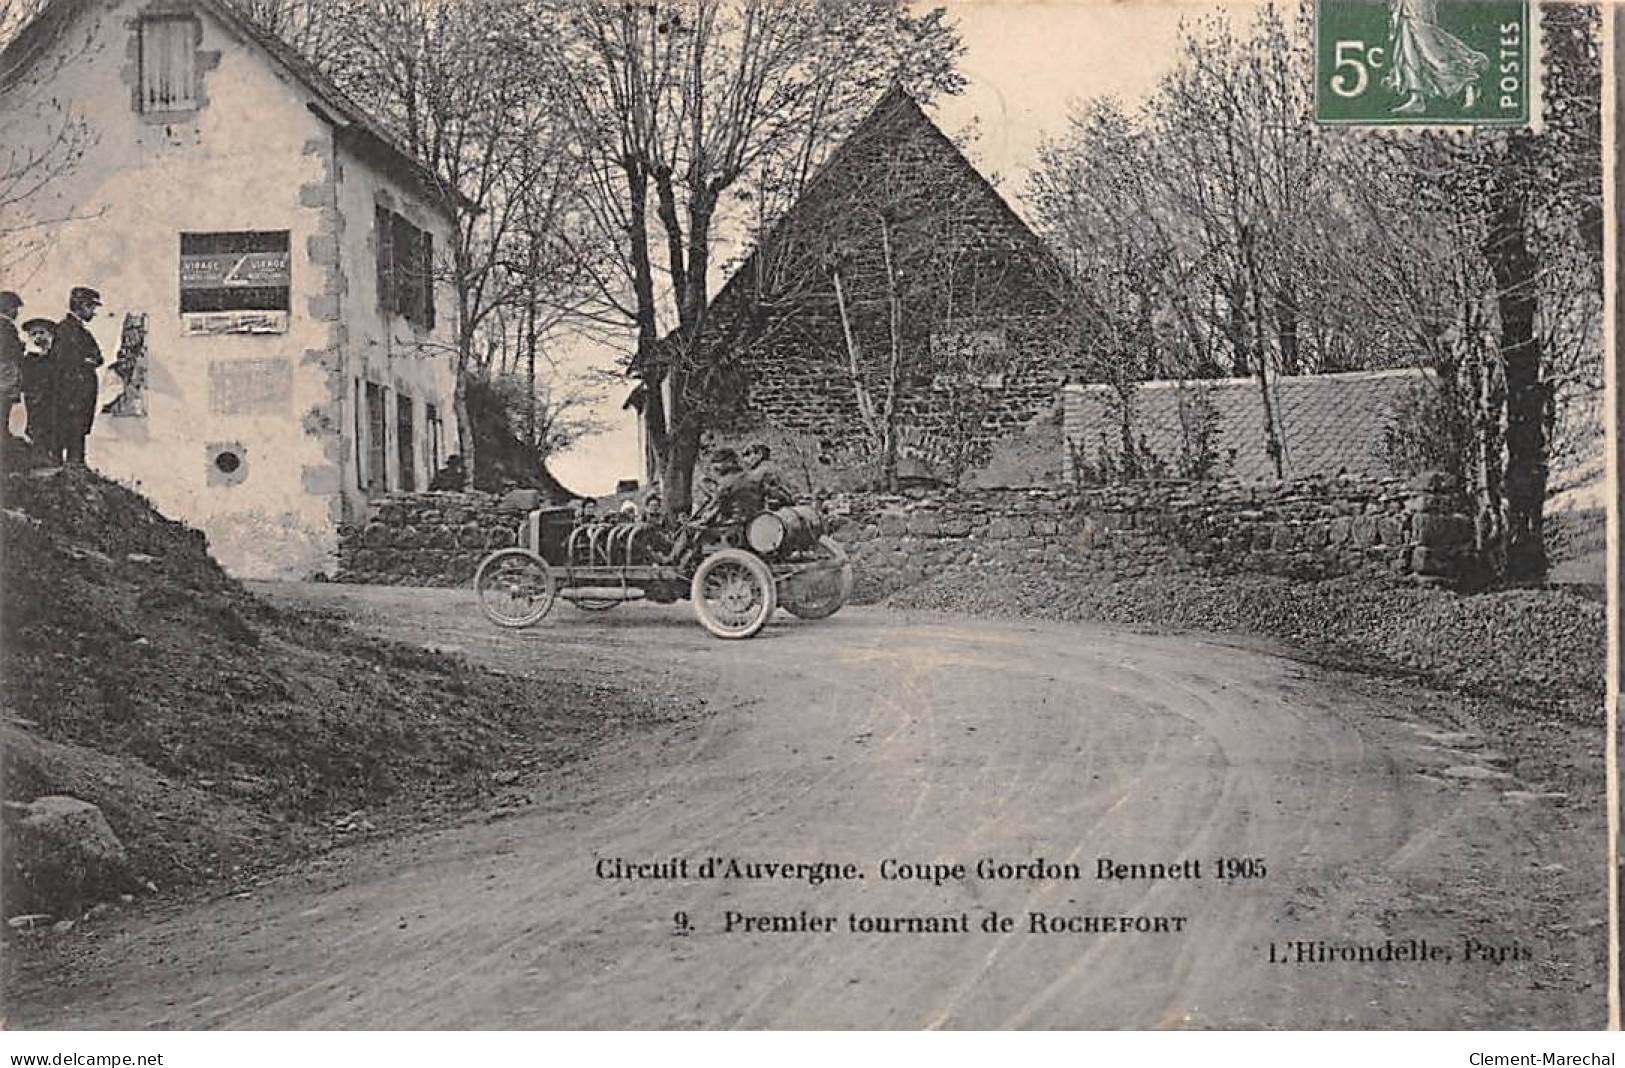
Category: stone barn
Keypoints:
(900, 281)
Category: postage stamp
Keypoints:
(1424, 62)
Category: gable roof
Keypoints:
(1329, 424)
(896, 109)
(333, 105)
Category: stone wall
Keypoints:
(1388, 529)
(430, 539)
(1413, 530)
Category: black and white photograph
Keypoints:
(807, 515)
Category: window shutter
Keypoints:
(428, 280)
(168, 66)
(386, 258)
(405, 442)
(407, 289)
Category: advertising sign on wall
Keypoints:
(235, 282)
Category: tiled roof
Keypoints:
(1329, 424)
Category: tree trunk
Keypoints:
(894, 366)
(1286, 332)
(1235, 329)
(465, 429)
(701, 211)
(1507, 249)
(1272, 439)
(688, 261)
(530, 358)
(1489, 411)
(1125, 429)
(854, 363)
(648, 365)
(677, 465)
(465, 360)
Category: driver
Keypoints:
(738, 495)
(759, 463)
(735, 497)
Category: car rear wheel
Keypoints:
(823, 590)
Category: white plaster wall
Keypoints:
(386, 349)
(253, 157)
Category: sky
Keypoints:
(1026, 63)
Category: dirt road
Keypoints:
(873, 737)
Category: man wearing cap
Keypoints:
(74, 359)
(774, 491)
(730, 488)
(11, 356)
(737, 496)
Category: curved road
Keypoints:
(931, 741)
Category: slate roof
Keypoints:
(335, 106)
(1330, 424)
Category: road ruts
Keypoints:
(874, 735)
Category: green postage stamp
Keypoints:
(1424, 62)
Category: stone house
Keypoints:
(897, 220)
(262, 247)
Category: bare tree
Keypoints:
(1257, 235)
(33, 47)
(320, 30)
(1210, 198)
(1492, 252)
(675, 107)
(459, 84)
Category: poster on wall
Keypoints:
(235, 282)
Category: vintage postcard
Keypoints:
(720, 514)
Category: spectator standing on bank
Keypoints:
(75, 356)
(40, 335)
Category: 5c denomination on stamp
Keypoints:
(1424, 62)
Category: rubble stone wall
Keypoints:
(1388, 529)
(429, 539)
(1416, 530)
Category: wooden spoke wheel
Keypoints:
(733, 593)
(515, 587)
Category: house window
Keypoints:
(360, 437)
(377, 450)
(168, 63)
(433, 439)
(406, 442)
(405, 269)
